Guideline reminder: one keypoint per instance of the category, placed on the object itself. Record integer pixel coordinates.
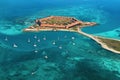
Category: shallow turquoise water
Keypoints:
(68, 59)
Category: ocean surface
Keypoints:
(58, 55)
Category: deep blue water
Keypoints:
(69, 59)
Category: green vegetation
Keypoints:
(60, 21)
(75, 28)
(35, 25)
(114, 44)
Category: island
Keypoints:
(61, 23)
(58, 23)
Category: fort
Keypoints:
(71, 24)
(57, 22)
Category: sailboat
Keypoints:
(44, 38)
(14, 45)
(38, 40)
(29, 40)
(60, 47)
(46, 57)
(65, 36)
(6, 39)
(36, 51)
(73, 43)
(73, 38)
(54, 43)
(35, 45)
(58, 38)
(35, 37)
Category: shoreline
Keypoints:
(61, 23)
(103, 45)
(35, 30)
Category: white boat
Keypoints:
(14, 45)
